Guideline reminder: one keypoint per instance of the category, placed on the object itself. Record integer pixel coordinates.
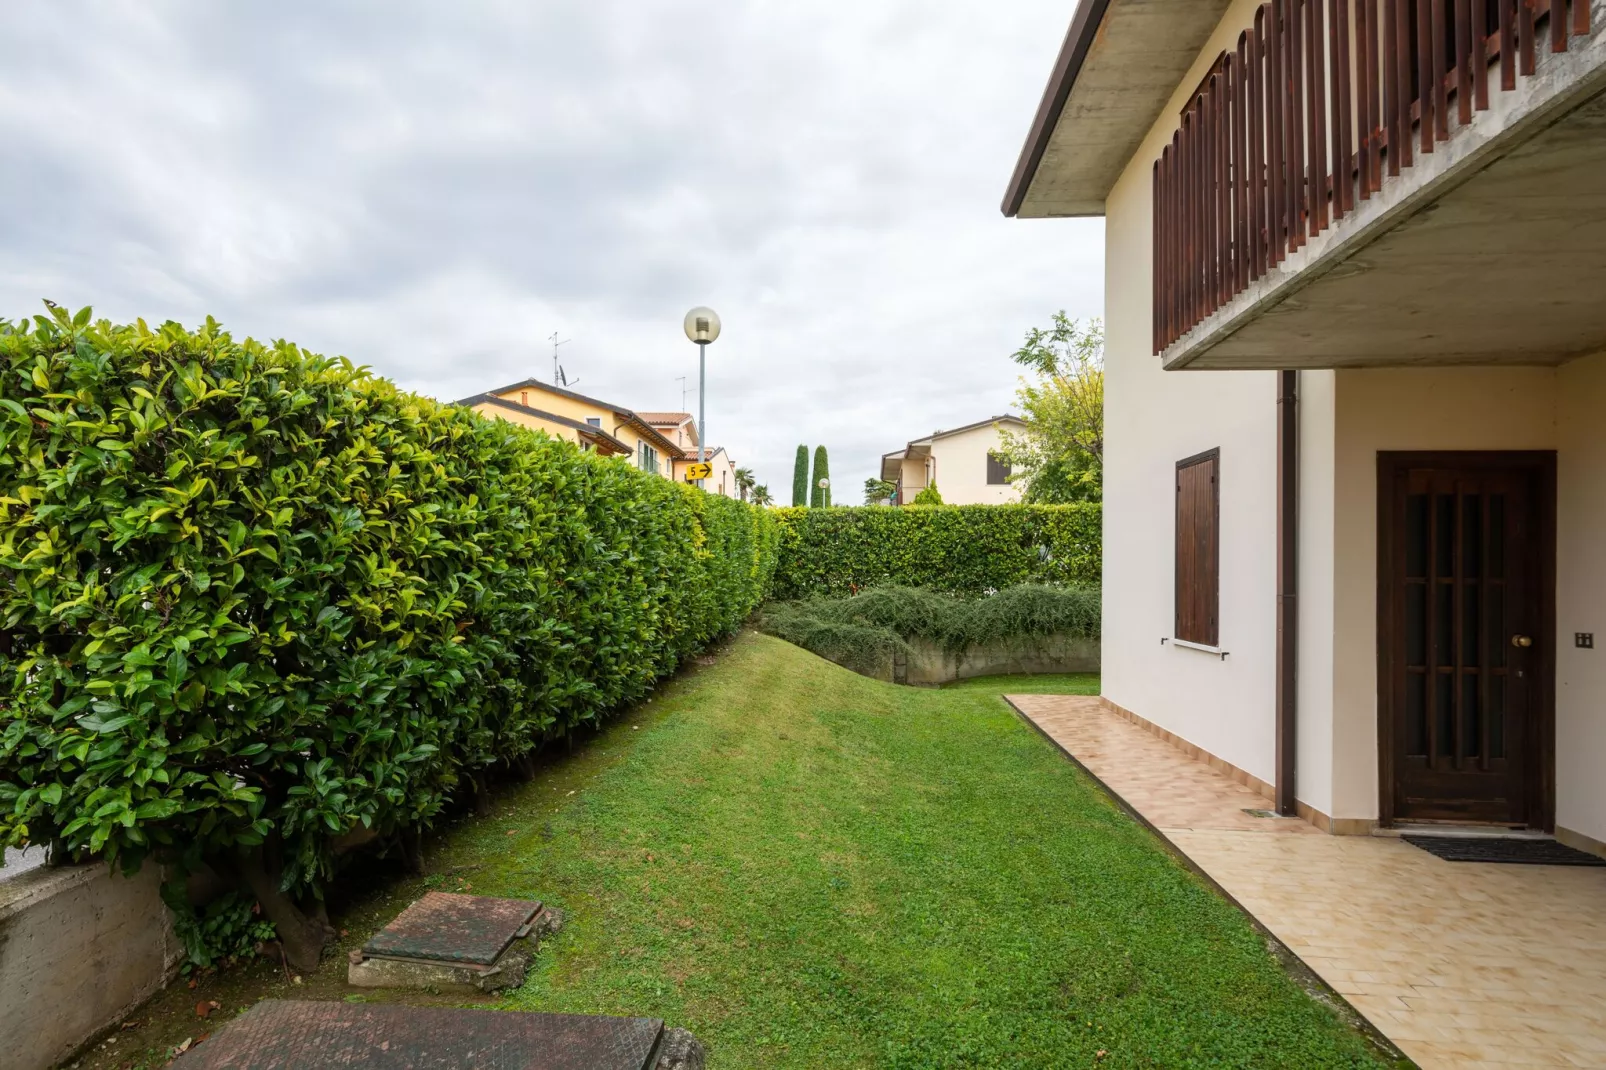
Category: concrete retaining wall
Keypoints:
(79, 948)
(929, 664)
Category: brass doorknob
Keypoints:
(1522, 640)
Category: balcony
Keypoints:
(1316, 208)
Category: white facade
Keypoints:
(958, 462)
(1224, 700)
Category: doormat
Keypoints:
(280, 1034)
(1516, 851)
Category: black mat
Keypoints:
(1513, 850)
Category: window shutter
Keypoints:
(997, 470)
(1198, 553)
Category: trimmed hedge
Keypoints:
(964, 549)
(255, 600)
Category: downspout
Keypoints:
(1287, 588)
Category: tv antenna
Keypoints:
(559, 377)
(681, 379)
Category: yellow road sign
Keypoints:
(698, 471)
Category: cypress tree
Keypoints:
(800, 477)
(820, 497)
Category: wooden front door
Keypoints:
(1466, 648)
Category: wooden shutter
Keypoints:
(1198, 548)
(997, 471)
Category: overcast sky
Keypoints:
(434, 189)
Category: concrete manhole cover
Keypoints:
(447, 927)
(290, 1035)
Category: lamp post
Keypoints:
(825, 486)
(702, 327)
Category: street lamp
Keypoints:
(825, 485)
(702, 327)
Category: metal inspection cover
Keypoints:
(447, 927)
(292, 1035)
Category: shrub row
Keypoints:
(864, 632)
(253, 600)
(966, 549)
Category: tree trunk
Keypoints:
(412, 849)
(303, 936)
(482, 794)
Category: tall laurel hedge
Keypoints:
(965, 549)
(253, 600)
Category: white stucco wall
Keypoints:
(1152, 420)
(959, 463)
(1581, 597)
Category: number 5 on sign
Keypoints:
(698, 471)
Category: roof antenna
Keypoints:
(558, 378)
(681, 379)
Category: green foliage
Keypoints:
(227, 929)
(761, 495)
(800, 478)
(256, 598)
(1059, 457)
(963, 549)
(928, 495)
(820, 497)
(878, 491)
(865, 631)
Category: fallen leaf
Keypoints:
(296, 979)
(203, 1009)
(512, 832)
(184, 1046)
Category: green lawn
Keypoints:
(812, 869)
(1064, 683)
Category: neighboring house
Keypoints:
(962, 462)
(1355, 468)
(681, 427)
(593, 424)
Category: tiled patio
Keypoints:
(1460, 964)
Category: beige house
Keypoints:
(609, 429)
(681, 428)
(1355, 470)
(962, 462)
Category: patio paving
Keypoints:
(1461, 964)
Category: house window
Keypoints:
(646, 458)
(1199, 548)
(997, 470)
(594, 421)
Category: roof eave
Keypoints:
(1073, 53)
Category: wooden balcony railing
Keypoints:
(1303, 118)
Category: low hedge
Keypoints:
(255, 600)
(964, 549)
(865, 632)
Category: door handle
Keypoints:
(1522, 641)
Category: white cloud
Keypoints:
(433, 190)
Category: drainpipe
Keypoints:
(1287, 587)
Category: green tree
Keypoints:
(762, 496)
(744, 481)
(800, 477)
(878, 491)
(820, 496)
(1060, 454)
(929, 495)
